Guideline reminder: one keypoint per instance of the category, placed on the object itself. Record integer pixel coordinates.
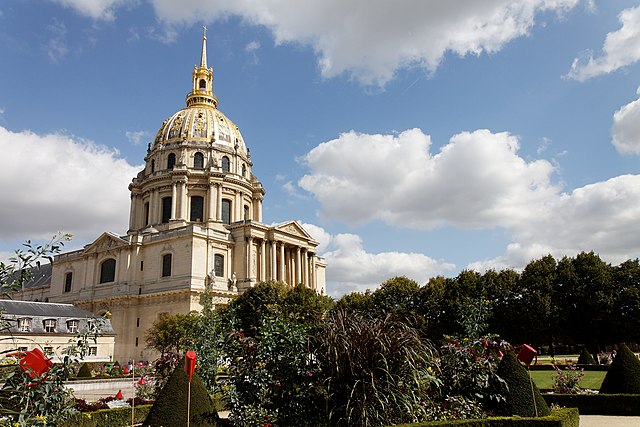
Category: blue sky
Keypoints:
(412, 138)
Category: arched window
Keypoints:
(226, 165)
(226, 211)
(218, 265)
(197, 209)
(108, 271)
(246, 212)
(166, 265)
(166, 209)
(171, 161)
(68, 281)
(203, 84)
(198, 160)
(244, 170)
(153, 165)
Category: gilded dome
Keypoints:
(200, 123)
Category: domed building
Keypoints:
(195, 222)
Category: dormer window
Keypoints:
(72, 326)
(24, 325)
(171, 161)
(244, 170)
(49, 325)
(226, 165)
(198, 160)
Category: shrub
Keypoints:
(523, 398)
(378, 371)
(170, 408)
(586, 358)
(567, 381)
(624, 373)
(85, 371)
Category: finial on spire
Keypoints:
(203, 55)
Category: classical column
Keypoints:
(152, 207)
(183, 200)
(249, 256)
(132, 212)
(274, 261)
(174, 199)
(211, 213)
(305, 267)
(219, 204)
(263, 261)
(312, 271)
(298, 266)
(282, 263)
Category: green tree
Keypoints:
(626, 319)
(173, 333)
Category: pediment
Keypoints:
(106, 242)
(293, 228)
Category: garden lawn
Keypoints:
(546, 379)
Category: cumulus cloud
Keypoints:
(58, 182)
(96, 9)
(371, 40)
(137, 137)
(626, 128)
(353, 269)
(621, 48)
(477, 180)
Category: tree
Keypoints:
(173, 333)
(626, 319)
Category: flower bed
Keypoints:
(561, 417)
(598, 404)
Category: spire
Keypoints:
(202, 78)
(203, 55)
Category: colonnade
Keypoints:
(275, 260)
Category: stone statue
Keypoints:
(232, 283)
(212, 276)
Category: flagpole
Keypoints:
(133, 390)
(189, 404)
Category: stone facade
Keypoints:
(195, 221)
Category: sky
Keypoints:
(409, 137)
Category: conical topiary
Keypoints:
(522, 391)
(170, 408)
(85, 371)
(586, 358)
(624, 373)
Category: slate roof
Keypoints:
(29, 308)
(41, 277)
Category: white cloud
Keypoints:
(251, 47)
(370, 40)
(475, 181)
(96, 9)
(353, 269)
(58, 182)
(621, 48)
(56, 45)
(626, 128)
(137, 137)
(290, 188)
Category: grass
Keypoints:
(546, 379)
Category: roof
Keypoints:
(29, 308)
(41, 277)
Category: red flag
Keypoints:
(190, 363)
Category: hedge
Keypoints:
(598, 404)
(117, 417)
(560, 417)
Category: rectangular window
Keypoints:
(141, 265)
(72, 326)
(24, 325)
(166, 209)
(68, 280)
(138, 323)
(48, 351)
(93, 351)
(50, 325)
(218, 265)
(146, 214)
(166, 265)
(226, 211)
(136, 341)
(197, 209)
